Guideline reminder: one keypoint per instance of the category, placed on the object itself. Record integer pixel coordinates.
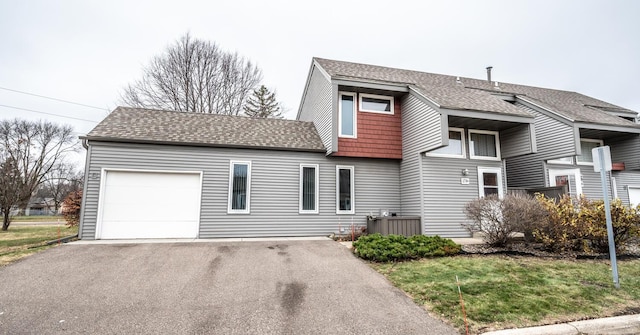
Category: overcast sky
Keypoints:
(87, 51)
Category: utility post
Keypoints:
(602, 163)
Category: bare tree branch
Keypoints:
(28, 152)
(195, 76)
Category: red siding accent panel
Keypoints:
(617, 166)
(379, 136)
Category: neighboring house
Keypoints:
(367, 139)
(41, 206)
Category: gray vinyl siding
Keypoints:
(444, 195)
(591, 183)
(317, 107)
(421, 130)
(525, 171)
(274, 187)
(554, 139)
(626, 150)
(515, 141)
(624, 179)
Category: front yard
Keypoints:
(21, 241)
(513, 291)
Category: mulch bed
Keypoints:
(520, 248)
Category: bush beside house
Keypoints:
(379, 248)
(580, 225)
(566, 225)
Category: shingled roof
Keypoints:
(473, 94)
(141, 125)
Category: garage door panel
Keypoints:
(150, 205)
(159, 229)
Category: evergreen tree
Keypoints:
(262, 104)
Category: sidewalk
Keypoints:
(619, 325)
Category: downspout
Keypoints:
(85, 144)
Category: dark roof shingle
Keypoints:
(476, 94)
(127, 124)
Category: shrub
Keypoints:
(498, 218)
(380, 248)
(580, 224)
(71, 208)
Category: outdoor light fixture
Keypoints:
(465, 172)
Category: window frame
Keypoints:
(560, 162)
(481, 171)
(301, 209)
(355, 114)
(551, 174)
(496, 135)
(247, 210)
(592, 140)
(352, 188)
(463, 145)
(376, 96)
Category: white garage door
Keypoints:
(149, 205)
(634, 196)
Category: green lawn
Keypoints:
(505, 292)
(22, 241)
(38, 218)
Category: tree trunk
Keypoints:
(5, 220)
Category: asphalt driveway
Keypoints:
(278, 287)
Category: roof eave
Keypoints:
(489, 115)
(194, 144)
(608, 127)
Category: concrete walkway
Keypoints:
(619, 325)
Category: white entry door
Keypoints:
(568, 177)
(634, 196)
(149, 205)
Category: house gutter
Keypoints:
(192, 144)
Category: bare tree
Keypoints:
(193, 75)
(61, 180)
(28, 151)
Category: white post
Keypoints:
(605, 190)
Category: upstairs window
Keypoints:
(484, 144)
(239, 187)
(376, 103)
(563, 160)
(456, 147)
(586, 145)
(309, 188)
(347, 115)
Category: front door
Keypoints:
(490, 181)
(566, 177)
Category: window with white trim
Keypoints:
(586, 144)
(456, 147)
(345, 191)
(309, 188)
(239, 187)
(563, 160)
(376, 103)
(347, 114)
(484, 144)
(490, 181)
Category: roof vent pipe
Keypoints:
(489, 73)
